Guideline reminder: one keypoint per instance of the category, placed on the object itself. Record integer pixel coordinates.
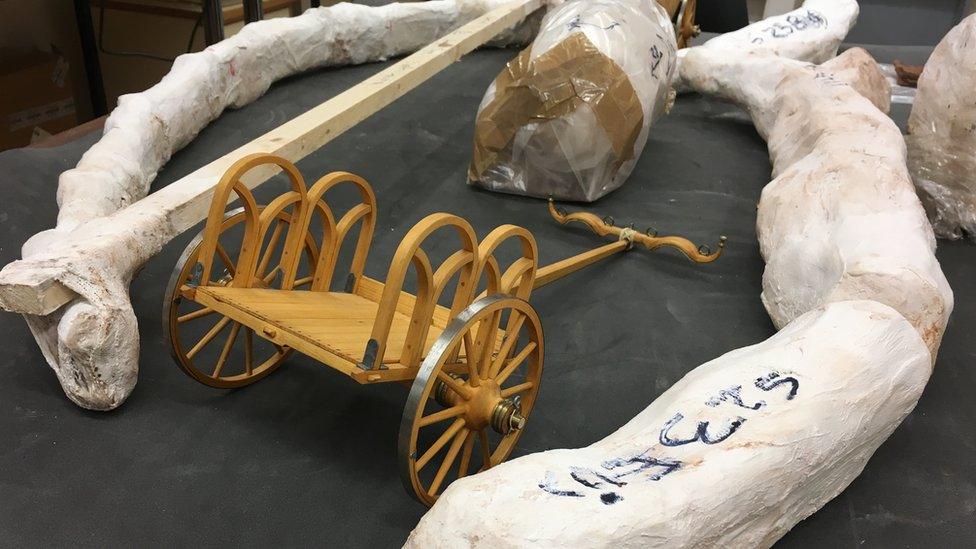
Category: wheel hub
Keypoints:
(485, 407)
(507, 416)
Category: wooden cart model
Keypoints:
(474, 365)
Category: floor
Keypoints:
(307, 457)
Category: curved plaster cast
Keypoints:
(746, 446)
(92, 343)
(942, 144)
(810, 33)
(840, 220)
(733, 455)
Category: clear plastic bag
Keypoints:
(569, 117)
(942, 140)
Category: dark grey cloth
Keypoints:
(308, 457)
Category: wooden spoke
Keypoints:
(469, 350)
(516, 361)
(271, 274)
(449, 459)
(436, 417)
(222, 359)
(516, 389)
(466, 454)
(208, 337)
(299, 282)
(458, 386)
(486, 342)
(225, 258)
(511, 337)
(474, 376)
(199, 313)
(272, 244)
(248, 351)
(485, 448)
(440, 443)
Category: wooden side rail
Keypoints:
(247, 259)
(335, 232)
(517, 280)
(410, 253)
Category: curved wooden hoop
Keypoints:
(251, 243)
(427, 284)
(335, 232)
(518, 279)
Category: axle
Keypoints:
(626, 237)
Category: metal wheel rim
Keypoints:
(421, 391)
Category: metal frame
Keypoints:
(213, 21)
(253, 10)
(89, 51)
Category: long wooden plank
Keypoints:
(559, 269)
(185, 202)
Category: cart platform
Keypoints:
(331, 327)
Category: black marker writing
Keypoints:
(773, 380)
(701, 432)
(733, 394)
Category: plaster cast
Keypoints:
(810, 33)
(840, 220)
(733, 455)
(942, 144)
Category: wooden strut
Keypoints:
(626, 237)
(185, 202)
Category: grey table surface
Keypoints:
(308, 457)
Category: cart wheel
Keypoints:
(208, 346)
(470, 395)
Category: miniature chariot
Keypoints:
(467, 341)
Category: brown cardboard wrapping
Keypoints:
(557, 82)
(570, 115)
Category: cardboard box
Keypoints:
(35, 97)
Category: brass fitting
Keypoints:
(507, 416)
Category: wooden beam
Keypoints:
(559, 269)
(32, 291)
(185, 202)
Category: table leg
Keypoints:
(89, 51)
(253, 11)
(213, 21)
